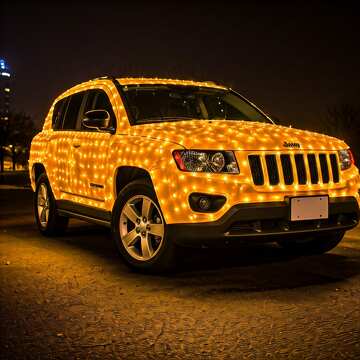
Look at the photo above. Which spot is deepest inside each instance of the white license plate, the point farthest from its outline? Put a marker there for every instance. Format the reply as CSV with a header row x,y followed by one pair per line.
x,y
309,208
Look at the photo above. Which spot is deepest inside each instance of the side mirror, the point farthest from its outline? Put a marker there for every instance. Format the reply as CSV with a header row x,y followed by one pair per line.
x,y
96,119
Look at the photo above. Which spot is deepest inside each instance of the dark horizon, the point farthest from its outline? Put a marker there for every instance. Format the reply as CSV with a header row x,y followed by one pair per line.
x,y
292,61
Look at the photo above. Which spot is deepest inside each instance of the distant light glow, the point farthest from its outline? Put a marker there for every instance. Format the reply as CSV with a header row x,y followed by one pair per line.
x,y
5,74
6,89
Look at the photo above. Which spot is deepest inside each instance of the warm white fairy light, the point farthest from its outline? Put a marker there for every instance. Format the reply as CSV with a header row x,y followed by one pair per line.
x,y
150,147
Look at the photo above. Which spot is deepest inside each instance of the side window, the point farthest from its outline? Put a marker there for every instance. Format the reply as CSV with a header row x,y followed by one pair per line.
x,y
102,102
88,105
58,113
90,101
97,100
72,111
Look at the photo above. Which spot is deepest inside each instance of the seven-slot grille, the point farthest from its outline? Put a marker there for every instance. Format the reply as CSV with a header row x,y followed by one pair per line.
x,y
321,168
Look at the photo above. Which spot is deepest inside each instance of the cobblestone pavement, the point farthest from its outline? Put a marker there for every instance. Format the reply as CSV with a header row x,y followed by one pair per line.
x,y
72,298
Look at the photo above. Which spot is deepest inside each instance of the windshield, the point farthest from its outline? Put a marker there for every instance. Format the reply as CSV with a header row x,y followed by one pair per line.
x,y
158,103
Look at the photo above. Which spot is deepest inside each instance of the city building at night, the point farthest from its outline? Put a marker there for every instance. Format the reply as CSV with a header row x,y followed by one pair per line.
x,y
5,90
5,95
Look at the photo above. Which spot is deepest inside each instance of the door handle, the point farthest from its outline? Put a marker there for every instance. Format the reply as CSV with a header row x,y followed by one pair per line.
x,y
76,145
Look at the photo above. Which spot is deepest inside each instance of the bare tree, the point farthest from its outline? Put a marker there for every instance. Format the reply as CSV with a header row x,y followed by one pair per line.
x,y
20,131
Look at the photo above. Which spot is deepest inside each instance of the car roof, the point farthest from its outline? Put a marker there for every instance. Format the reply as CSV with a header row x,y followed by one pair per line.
x,y
157,81
137,81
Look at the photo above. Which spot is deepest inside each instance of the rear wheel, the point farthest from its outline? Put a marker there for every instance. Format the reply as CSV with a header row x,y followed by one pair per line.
x,y
139,229
48,221
314,244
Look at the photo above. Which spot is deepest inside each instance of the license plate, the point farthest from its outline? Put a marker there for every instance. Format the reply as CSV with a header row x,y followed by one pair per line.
x,y
309,208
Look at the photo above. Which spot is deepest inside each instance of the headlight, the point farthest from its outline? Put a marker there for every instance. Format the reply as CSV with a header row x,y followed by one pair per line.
x,y
346,159
206,161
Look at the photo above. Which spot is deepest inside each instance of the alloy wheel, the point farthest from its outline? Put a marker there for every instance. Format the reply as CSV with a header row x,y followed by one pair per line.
x,y
141,227
43,204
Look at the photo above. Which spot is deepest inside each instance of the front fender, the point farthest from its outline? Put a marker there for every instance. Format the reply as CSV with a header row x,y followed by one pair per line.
x,y
152,155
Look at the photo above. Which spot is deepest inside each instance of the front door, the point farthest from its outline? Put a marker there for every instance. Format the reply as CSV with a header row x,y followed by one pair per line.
x,y
90,153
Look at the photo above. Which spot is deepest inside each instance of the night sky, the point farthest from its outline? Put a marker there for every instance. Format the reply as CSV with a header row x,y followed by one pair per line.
x,y
293,61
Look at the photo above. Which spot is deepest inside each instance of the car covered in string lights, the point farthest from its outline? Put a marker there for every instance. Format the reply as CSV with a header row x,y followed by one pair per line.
x,y
169,163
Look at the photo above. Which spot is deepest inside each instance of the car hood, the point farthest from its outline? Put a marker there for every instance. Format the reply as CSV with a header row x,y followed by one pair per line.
x,y
236,135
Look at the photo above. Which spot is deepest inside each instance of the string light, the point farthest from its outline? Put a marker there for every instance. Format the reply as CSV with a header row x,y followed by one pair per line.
x,y
150,146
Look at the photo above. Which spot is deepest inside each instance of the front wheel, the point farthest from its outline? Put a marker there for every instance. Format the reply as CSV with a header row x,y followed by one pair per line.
x,y
139,229
313,244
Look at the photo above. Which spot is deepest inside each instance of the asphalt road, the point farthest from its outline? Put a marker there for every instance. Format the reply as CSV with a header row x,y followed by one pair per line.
x,y
72,298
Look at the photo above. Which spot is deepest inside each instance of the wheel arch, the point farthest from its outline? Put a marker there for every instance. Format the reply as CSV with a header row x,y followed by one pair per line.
x,y
126,174
36,171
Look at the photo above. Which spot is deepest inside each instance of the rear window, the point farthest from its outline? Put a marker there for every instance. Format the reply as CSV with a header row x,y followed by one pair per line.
x,y
58,113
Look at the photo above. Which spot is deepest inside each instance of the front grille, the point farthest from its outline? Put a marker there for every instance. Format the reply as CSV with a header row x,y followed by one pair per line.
x,y
287,169
300,168
314,175
334,167
296,168
256,169
272,169
324,168
283,226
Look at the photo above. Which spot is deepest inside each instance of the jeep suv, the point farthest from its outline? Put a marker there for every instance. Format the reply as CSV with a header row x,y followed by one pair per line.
x,y
167,163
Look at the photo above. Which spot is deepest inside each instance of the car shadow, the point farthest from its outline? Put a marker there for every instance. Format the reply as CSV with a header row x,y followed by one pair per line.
x,y
203,272
208,272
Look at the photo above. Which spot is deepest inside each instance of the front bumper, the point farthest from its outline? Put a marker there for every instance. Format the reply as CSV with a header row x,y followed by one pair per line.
x,y
264,221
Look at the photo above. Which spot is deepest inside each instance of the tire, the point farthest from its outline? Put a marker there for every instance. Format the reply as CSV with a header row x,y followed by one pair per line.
x,y
47,219
140,235
313,244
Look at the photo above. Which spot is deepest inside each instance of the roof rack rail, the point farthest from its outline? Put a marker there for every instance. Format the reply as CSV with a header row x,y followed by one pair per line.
x,y
110,77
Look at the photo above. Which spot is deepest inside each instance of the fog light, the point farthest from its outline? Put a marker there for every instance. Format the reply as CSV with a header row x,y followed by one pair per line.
x,y
204,203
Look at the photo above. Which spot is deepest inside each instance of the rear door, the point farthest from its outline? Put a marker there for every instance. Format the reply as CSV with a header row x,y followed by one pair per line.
x,y
65,116
58,148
